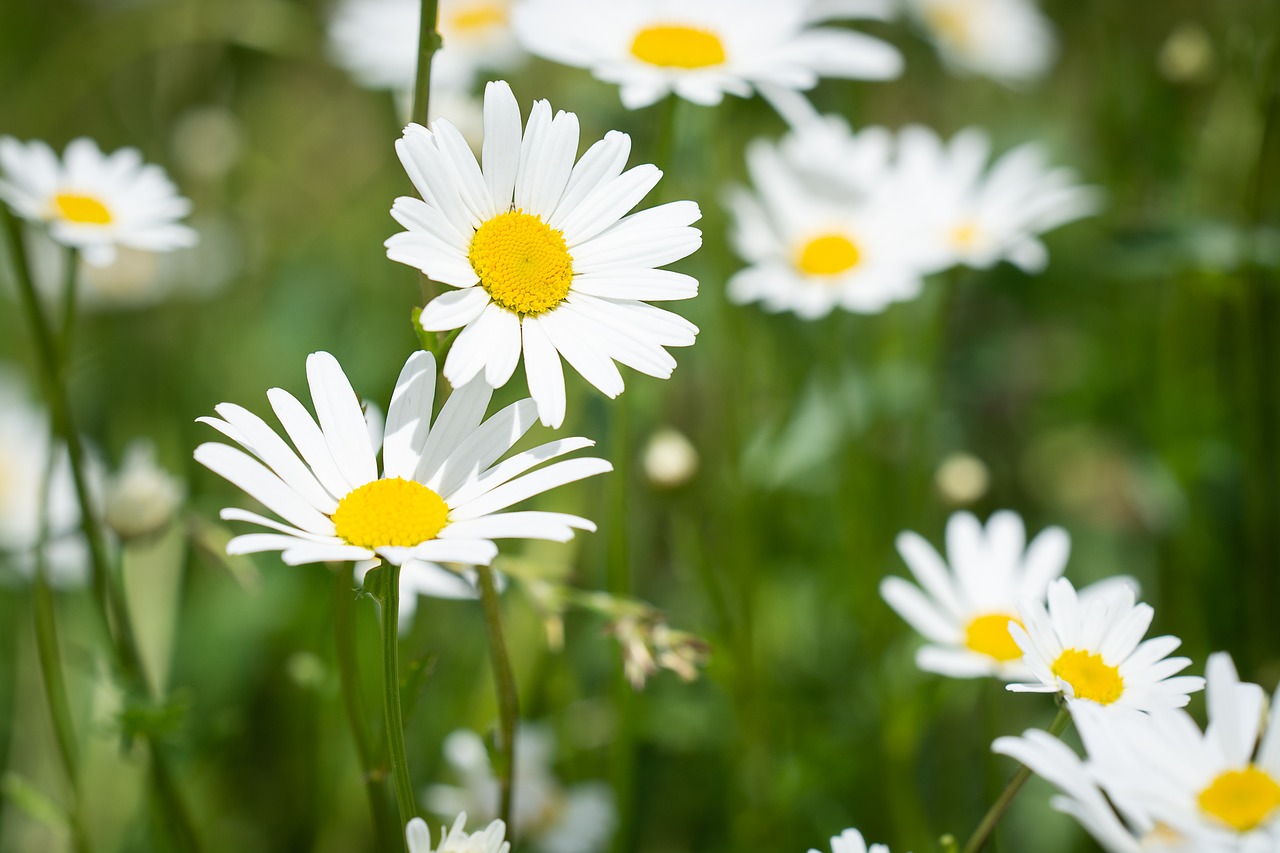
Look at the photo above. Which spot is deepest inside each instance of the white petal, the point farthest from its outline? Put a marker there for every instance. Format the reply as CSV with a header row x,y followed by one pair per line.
x,y
537,482
484,445
236,514
554,526
501,147
543,372
595,367
307,552
458,418
602,162
609,203
341,419
643,285
278,456
516,465
258,482
453,309
309,440
409,416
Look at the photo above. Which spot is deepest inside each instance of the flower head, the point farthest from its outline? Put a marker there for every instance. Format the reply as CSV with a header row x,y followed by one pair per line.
x,y
492,839
442,488
540,254
703,49
851,841
94,201
1007,40
1092,649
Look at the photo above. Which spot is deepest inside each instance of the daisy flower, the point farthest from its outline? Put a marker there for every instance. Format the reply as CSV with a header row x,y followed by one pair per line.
x,y
377,42
1093,649
965,604
540,254
442,488
812,244
703,49
851,841
94,201
491,840
1007,40
1175,788
553,818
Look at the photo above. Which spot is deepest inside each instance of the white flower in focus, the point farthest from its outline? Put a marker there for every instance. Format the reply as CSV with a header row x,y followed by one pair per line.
x,y
1174,788
813,242
1092,649
553,818
1010,41
377,42
442,488
851,841
965,604
540,254
141,497
94,201
704,49
492,839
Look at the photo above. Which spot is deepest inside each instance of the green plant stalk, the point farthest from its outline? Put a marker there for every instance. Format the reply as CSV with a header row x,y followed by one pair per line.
x,y
505,685
618,584
373,776
987,826
429,42
402,781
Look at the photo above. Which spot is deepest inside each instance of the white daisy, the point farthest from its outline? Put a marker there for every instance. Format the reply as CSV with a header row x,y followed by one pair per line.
x,y
541,254
851,841
965,604
1092,649
1174,787
813,242
377,41
552,817
703,49
94,201
1007,40
492,839
442,486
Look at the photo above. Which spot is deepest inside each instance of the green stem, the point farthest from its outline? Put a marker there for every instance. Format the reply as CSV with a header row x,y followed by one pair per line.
x,y
390,600
989,821
505,685
618,584
374,776
70,291
428,43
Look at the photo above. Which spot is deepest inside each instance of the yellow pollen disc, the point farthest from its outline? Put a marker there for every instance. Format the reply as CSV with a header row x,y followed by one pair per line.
x,y
1242,799
523,263
830,254
964,236
677,46
1089,677
390,512
989,635
81,209
479,16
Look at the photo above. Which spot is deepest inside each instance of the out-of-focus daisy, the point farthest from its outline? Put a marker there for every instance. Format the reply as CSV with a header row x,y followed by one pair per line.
x,y
851,841
1174,787
553,818
377,41
141,497
812,246
1092,649
669,458
492,839
703,49
964,605
441,491
94,201
975,216
540,253
1007,40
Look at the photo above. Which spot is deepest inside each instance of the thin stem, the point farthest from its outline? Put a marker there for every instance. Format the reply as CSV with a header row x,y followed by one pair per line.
x,y
618,584
372,774
505,684
70,292
428,43
390,599
989,821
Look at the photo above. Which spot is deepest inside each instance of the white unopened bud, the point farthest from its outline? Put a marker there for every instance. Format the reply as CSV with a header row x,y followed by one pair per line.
x,y
141,498
962,479
669,459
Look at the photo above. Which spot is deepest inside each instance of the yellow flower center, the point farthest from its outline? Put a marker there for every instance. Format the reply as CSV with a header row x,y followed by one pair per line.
x,y
1242,799
523,263
964,235
989,635
82,209
678,46
1088,676
390,512
829,254
479,16
953,22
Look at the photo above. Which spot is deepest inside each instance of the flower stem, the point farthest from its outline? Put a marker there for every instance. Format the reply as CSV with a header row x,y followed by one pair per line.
x,y
390,600
374,777
428,43
505,684
989,821
618,584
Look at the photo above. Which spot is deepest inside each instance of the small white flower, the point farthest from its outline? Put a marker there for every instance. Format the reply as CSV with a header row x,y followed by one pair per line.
x,y
851,841
704,49
94,201
554,818
1007,40
964,605
492,839
1092,649
442,488
141,497
540,254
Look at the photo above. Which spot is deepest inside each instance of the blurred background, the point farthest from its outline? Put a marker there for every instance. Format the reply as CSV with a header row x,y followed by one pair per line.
x,y
1130,393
